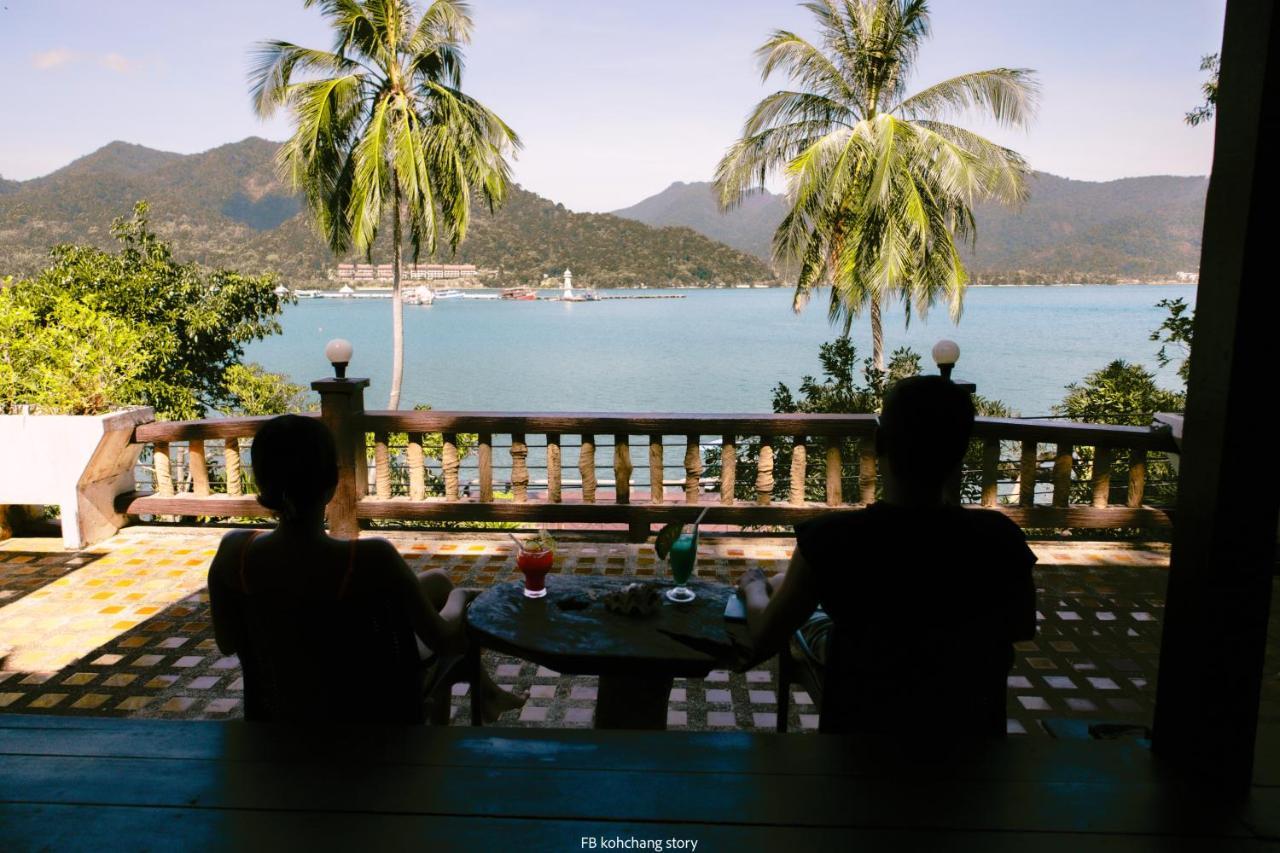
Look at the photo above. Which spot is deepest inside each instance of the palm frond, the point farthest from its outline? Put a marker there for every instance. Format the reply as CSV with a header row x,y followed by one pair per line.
x,y
1008,95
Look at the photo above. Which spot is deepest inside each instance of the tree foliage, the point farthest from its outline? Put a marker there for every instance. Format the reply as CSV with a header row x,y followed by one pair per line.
x,y
1212,63
383,130
253,390
131,327
881,184
1175,331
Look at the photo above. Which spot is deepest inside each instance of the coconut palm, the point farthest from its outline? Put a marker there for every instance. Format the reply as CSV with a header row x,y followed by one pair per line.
x,y
881,185
383,130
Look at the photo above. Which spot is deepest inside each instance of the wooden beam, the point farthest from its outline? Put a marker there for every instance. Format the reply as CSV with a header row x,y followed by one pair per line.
x,y
1224,543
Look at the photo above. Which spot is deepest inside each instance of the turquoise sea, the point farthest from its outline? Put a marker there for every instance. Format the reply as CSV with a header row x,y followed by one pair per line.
x,y
713,351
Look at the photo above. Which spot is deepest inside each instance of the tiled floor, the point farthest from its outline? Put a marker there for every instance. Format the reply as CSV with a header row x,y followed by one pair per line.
x,y
123,629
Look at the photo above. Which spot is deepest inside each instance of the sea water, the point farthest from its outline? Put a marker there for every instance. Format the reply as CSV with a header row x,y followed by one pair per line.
x,y
713,350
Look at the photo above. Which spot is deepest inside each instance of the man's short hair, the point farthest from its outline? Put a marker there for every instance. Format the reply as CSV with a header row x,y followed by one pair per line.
x,y
924,428
295,463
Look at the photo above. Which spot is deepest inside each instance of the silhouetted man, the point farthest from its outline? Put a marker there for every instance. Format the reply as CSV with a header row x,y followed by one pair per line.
x,y
918,602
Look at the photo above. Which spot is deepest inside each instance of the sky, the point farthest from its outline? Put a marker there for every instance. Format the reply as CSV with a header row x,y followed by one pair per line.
x,y
613,99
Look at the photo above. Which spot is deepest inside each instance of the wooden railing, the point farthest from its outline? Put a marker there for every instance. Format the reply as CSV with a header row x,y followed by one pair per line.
x,y
602,468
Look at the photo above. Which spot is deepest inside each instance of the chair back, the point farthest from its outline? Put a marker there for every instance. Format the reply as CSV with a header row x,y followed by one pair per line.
x,y
318,660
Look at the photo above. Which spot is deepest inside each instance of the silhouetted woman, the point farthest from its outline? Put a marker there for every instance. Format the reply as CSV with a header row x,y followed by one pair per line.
x,y
300,607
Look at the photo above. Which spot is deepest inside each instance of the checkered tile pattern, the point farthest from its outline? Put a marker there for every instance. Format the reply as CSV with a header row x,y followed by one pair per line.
x,y
123,630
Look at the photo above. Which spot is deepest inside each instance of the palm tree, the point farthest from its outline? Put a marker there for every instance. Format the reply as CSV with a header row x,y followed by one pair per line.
x,y
383,129
880,184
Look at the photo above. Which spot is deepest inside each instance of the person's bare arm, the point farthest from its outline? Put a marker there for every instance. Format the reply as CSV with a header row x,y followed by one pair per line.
x,y
443,630
771,619
221,597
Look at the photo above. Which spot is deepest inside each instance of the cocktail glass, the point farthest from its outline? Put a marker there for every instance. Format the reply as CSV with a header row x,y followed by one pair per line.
x,y
684,553
534,565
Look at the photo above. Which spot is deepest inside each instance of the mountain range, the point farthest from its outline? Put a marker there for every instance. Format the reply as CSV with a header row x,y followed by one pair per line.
x,y
227,207
1133,228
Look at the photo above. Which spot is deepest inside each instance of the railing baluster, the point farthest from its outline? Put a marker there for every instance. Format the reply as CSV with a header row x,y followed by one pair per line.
x,y
519,468
164,469
798,468
656,471
553,467
587,468
728,468
835,464
381,466
485,465
990,471
1027,474
199,468
692,468
866,471
231,462
1062,475
449,465
622,468
1137,478
764,472
417,476
1101,476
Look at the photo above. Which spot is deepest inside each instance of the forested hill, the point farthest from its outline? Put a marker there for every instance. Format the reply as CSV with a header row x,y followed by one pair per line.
x,y
1144,228
226,207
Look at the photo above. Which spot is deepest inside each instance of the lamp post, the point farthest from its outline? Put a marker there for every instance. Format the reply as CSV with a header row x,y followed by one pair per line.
x,y
338,351
945,354
341,409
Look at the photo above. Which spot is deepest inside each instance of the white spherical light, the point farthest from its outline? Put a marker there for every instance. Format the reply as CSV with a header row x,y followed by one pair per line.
x,y
946,352
339,351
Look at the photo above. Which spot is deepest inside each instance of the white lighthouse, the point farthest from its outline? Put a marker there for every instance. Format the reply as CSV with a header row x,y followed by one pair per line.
x,y
568,286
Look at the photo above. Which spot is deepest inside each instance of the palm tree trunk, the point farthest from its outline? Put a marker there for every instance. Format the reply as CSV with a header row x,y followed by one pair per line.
x,y
877,334
397,306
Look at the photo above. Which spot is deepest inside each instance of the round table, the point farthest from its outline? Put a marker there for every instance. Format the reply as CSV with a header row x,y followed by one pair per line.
x,y
636,657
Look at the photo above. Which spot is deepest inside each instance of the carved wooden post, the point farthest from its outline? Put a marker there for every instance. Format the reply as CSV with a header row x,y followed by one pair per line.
x,y
417,476
1027,475
1062,475
231,462
587,468
164,472
1137,478
519,468
764,472
835,488
692,468
728,468
622,468
485,466
798,467
656,470
553,467
199,468
342,410
449,464
381,467
1101,476
990,472
867,471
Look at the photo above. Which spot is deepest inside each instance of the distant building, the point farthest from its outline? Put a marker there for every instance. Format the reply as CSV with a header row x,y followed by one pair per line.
x,y
427,272
1188,277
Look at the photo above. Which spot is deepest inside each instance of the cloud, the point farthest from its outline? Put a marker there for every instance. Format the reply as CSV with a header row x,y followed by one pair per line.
x,y
118,63
52,58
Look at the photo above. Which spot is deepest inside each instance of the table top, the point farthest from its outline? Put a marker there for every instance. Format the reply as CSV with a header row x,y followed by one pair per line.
x,y
679,640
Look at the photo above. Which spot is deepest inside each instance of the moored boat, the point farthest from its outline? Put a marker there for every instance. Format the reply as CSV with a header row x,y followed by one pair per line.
x,y
522,294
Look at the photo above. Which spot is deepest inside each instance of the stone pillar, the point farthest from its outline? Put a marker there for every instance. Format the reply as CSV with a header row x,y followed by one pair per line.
x,y
342,410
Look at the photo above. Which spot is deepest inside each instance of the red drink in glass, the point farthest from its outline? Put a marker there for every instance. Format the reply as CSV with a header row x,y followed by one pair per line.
x,y
535,565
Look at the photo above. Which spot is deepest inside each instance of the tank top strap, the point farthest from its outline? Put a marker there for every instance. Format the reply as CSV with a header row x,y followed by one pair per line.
x,y
244,550
351,565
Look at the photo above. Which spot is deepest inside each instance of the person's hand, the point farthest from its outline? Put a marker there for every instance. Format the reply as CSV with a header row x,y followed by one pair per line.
x,y
749,579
